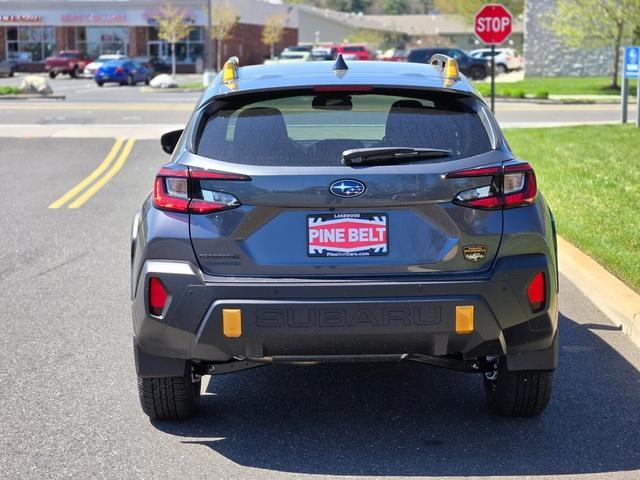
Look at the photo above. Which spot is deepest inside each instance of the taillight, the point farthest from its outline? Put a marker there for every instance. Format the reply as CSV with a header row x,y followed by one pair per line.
x,y
171,189
179,188
518,185
157,296
536,292
119,70
511,185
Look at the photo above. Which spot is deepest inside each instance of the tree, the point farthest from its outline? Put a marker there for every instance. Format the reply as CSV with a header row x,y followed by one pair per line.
x,y
396,7
597,23
350,5
224,18
173,27
401,7
469,8
273,31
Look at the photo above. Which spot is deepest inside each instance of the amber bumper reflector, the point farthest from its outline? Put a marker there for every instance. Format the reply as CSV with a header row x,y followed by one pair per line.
x,y
231,322
464,318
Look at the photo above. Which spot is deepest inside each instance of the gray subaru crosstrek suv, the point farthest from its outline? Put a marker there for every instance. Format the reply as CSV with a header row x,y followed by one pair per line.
x,y
322,212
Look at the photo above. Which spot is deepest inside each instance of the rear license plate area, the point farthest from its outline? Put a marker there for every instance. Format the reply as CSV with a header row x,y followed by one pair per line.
x,y
347,235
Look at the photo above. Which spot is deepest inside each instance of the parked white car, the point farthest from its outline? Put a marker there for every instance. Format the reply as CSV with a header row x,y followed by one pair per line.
x,y
507,59
290,56
91,69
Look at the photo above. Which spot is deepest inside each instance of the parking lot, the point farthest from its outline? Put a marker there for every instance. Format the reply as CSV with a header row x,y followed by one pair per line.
x,y
70,406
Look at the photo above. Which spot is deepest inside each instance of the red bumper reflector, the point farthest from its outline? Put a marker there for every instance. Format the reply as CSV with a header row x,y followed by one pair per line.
x,y
536,292
157,296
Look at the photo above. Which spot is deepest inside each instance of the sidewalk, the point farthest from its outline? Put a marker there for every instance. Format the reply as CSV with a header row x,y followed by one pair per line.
x,y
616,300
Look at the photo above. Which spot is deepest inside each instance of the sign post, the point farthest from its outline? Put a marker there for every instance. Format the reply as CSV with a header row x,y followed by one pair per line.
x,y
493,24
631,69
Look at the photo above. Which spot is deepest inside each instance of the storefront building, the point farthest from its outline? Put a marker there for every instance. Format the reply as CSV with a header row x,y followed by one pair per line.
x,y
30,30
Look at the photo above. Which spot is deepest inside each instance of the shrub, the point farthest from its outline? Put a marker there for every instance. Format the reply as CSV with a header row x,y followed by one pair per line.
x,y
542,94
518,94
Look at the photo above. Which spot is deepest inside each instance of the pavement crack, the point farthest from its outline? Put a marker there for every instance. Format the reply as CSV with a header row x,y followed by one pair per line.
x,y
66,262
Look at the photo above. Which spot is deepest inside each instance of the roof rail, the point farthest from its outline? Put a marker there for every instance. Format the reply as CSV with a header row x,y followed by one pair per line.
x,y
230,70
448,66
439,60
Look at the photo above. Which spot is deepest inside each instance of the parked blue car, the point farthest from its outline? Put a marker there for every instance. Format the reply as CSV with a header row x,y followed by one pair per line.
x,y
124,72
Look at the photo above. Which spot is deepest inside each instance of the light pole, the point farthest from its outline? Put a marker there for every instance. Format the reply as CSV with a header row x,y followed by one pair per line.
x,y
207,42
208,73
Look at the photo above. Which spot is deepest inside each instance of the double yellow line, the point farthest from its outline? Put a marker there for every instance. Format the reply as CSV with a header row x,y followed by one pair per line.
x,y
88,187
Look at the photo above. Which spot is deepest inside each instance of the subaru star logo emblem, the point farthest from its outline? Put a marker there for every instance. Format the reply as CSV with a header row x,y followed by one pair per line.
x,y
347,188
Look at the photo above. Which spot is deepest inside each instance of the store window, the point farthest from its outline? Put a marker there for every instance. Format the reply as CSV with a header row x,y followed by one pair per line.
x,y
30,44
96,41
188,51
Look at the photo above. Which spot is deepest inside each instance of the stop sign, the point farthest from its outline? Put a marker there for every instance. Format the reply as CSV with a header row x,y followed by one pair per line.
x,y
493,24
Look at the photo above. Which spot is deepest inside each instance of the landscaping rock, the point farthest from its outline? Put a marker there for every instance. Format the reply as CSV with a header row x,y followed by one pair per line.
x,y
35,84
163,81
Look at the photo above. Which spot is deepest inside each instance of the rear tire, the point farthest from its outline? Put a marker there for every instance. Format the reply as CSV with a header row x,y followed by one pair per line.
x,y
477,73
169,398
74,72
99,83
52,75
500,69
518,394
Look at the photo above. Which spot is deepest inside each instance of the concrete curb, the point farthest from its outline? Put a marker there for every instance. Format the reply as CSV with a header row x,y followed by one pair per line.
x,y
561,101
171,90
617,301
30,96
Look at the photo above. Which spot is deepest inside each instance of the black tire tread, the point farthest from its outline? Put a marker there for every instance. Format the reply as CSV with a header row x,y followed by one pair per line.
x,y
169,398
520,394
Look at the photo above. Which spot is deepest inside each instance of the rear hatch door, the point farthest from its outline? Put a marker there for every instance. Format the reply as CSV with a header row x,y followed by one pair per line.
x,y
303,213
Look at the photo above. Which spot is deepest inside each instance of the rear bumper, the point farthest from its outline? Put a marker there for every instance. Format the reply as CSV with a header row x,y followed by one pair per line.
x,y
312,318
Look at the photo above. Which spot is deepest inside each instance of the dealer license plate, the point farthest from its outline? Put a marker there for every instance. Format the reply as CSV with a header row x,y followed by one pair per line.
x,y
347,235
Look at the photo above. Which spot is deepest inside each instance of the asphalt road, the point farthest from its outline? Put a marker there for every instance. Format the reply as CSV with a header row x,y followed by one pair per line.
x,y
68,401
88,104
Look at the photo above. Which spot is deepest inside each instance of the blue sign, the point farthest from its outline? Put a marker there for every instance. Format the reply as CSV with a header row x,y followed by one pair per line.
x,y
631,62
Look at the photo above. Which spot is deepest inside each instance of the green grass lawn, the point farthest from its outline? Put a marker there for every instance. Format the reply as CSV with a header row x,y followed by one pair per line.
x,y
590,176
556,86
191,85
8,90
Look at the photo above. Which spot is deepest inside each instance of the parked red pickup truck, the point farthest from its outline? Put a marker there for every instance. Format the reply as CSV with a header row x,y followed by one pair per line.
x,y
71,62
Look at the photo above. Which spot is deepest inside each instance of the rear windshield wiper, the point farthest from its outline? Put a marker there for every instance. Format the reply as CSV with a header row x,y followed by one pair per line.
x,y
368,156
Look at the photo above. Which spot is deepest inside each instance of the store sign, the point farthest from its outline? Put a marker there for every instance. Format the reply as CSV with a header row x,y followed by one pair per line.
x,y
13,19
94,19
85,16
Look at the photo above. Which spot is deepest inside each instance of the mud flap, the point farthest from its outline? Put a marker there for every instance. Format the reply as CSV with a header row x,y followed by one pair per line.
x,y
546,359
154,366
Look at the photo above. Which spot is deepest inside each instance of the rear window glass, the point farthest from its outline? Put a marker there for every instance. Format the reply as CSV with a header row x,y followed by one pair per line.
x,y
314,129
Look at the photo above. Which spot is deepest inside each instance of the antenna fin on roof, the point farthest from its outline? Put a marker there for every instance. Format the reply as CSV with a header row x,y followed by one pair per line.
x,y
340,64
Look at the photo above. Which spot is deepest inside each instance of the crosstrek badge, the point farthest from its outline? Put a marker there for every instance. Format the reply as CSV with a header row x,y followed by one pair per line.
x,y
347,235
